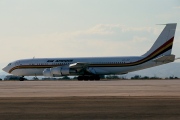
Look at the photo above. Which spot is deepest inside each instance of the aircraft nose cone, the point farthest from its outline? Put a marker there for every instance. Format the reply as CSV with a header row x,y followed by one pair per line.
x,y
5,69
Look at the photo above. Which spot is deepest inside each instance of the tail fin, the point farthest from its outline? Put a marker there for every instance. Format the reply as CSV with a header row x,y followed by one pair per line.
x,y
163,44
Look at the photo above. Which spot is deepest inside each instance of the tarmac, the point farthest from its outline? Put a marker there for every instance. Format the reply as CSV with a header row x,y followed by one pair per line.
x,y
87,100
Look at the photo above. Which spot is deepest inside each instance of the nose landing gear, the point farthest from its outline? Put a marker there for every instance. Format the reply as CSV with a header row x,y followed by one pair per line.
x,y
22,78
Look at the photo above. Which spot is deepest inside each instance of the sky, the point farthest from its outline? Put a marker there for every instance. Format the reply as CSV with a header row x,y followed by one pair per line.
x,y
83,28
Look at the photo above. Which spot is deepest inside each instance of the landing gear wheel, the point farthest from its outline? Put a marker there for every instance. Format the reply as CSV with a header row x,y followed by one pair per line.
x,y
86,78
80,78
97,78
91,78
21,79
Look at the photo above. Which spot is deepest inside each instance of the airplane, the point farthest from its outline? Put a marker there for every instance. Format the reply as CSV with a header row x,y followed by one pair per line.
x,y
90,68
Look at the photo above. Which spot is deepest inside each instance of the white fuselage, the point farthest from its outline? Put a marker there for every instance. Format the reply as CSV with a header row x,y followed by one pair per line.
x,y
101,65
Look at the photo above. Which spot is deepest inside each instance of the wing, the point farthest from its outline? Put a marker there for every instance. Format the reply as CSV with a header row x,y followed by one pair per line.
x,y
84,68
78,65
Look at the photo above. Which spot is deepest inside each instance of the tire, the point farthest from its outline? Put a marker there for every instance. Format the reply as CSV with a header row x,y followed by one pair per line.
x,y
21,79
80,78
86,78
91,78
97,78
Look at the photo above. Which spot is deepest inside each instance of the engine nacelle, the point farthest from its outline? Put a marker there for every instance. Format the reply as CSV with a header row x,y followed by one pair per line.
x,y
59,71
64,70
47,72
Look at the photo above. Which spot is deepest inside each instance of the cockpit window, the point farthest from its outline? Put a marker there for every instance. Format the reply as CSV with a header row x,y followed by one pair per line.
x,y
9,64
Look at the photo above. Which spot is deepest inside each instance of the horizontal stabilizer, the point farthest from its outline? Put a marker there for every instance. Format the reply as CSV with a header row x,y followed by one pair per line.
x,y
165,58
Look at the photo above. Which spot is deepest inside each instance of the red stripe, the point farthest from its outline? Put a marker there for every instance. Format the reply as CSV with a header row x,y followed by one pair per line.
x,y
169,41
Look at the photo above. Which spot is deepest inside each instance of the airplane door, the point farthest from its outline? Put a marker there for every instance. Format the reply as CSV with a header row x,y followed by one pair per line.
x,y
17,63
32,62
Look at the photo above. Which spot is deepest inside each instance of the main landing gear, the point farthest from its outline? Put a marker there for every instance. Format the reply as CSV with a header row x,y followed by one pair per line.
x,y
86,78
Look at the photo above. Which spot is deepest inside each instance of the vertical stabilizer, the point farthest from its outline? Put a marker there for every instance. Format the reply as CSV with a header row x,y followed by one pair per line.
x,y
163,44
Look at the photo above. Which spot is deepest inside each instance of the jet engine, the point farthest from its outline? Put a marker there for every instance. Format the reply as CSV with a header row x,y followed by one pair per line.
x,y
58,71
47,72
64,70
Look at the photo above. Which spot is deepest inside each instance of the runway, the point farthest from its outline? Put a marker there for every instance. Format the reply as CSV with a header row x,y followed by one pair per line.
x,y
124,99
90,88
